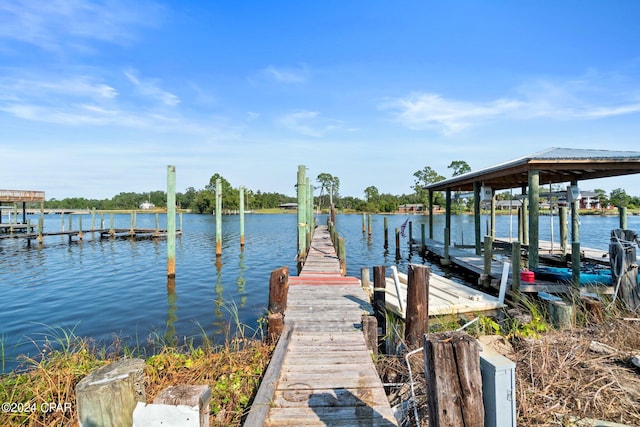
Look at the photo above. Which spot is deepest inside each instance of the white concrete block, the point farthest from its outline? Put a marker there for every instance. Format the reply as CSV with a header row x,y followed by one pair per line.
x,y
161,415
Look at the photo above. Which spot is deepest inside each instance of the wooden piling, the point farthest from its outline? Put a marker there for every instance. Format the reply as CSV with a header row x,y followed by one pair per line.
x,y
386,232
622,213
454,382
365,278
108,396
515,266
369,228
564,234
370,331
157,223
476,215
364,225
488,254
342,255
534,212
171,221
575,241
410,233
302,204
241,217
423,246
417,316
278,291
379,299
309,211
397,243
446,260
218,217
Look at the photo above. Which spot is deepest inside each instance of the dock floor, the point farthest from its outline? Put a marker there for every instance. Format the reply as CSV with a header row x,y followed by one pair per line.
x,y
468,260
327,376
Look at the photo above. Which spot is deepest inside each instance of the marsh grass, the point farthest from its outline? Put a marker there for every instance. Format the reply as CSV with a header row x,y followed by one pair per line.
x,y
232,370
558,376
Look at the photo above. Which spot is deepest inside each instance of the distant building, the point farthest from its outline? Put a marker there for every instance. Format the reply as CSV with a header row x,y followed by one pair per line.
x,y
411,208
508,204
288,206
147,205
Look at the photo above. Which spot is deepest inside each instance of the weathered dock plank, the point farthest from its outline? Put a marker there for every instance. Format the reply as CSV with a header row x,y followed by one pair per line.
x,y
327,376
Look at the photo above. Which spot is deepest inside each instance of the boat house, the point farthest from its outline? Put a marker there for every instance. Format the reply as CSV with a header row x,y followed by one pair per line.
x,y
529,173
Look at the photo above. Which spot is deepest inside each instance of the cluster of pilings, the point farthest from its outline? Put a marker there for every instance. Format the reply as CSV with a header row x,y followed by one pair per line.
x,y
306,223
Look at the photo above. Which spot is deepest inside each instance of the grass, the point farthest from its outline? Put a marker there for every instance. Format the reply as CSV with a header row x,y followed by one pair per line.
x,y
558,376
232,371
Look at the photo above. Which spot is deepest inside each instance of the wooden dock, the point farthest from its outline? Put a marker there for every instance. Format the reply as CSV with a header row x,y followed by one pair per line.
x,y
107,233
469,261
322,373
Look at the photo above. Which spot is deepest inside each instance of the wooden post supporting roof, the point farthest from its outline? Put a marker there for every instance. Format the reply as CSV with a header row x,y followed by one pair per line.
x,y
534,211
553,165
476,215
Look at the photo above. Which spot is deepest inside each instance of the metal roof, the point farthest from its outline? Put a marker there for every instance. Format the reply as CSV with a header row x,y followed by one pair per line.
x,y
555,165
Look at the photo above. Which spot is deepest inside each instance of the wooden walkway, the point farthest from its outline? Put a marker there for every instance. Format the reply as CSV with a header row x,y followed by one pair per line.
x,y
326,375
21,232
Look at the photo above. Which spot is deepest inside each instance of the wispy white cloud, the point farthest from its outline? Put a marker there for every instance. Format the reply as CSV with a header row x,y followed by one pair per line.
x,y
432,111
85,101
151,88
68,24
282,75
579,99
308,123
16,87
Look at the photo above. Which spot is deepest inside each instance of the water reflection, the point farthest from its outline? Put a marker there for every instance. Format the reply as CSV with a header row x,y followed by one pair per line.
x,y
241,282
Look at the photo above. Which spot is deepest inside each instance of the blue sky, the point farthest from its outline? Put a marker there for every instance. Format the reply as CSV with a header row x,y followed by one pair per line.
x,y
99,97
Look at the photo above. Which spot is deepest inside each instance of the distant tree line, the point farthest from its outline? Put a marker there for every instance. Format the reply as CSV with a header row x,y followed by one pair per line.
x,y
203,200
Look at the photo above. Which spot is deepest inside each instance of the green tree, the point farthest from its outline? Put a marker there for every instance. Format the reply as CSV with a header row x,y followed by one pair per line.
x,y
601,195
329,183
371,193
619,198
459,167
230,195
185,199
203,202
425,177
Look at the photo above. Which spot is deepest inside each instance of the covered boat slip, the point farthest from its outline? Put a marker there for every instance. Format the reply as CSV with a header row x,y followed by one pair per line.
x,y
10,199
529,173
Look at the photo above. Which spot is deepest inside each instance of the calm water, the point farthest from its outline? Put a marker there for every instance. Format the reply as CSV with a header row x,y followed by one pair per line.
x,y
118,288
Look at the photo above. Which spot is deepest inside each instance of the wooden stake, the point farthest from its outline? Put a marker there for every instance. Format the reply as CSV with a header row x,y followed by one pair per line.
x,y
417,316
379,300
218,217
171,221
386,232
454,382
278,289
241,218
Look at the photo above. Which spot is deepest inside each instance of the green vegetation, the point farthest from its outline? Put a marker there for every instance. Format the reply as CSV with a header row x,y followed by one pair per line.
x,y
558,374
203,200
232,371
